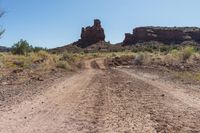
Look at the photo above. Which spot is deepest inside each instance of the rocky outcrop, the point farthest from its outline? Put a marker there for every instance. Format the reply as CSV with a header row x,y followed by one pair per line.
x,y
166,35
91,35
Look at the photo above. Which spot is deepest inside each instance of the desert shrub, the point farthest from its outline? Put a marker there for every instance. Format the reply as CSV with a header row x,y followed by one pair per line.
x,y
22,48
95,55
148,49
198,76
43,54
139,59
66,56
1,60
164,49
63,65
43,60
187,52
37,49
113,55
1,63
19,63
184,75
174,53
134,50
82,53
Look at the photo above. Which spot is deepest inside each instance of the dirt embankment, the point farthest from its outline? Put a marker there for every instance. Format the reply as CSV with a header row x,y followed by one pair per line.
x,y
98,99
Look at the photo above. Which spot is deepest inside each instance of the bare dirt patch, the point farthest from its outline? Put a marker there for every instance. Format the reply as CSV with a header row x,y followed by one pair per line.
x,y
15,91
98,99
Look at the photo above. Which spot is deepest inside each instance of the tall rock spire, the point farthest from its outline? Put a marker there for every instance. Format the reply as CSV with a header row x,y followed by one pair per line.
x,y
91,35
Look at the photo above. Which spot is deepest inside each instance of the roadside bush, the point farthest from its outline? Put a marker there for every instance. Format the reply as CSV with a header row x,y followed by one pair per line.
x,y
134,50
174,53
19,63
82,53
113,55
187,52
1,60
63,65
1,63
95,55
164,48
43,54
22,48
67,57
148,49
139,59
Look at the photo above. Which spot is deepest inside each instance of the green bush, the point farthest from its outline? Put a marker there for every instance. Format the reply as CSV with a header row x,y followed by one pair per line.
x,y
187,52
22,48
174,52
37,49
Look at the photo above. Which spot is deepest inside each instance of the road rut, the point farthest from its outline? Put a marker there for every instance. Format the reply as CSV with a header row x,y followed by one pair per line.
x,y
105,100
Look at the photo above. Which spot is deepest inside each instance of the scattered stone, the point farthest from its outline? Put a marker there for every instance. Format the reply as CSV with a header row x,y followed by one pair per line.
x,y
182,67
4,83
40,79
17,70
37,78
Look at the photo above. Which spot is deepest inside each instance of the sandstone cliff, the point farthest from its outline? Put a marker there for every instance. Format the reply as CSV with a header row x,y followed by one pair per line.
x,y
166,35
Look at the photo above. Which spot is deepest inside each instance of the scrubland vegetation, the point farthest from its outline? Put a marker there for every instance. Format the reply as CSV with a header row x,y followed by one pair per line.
x,y
183,60
41,60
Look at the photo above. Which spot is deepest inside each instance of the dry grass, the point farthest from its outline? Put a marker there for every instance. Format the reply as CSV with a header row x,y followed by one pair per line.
x,y
41,61
83,56
185,55
64,65
187,76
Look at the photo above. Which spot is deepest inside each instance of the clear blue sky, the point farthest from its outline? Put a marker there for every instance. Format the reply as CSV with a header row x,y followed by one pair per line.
x,y
52,23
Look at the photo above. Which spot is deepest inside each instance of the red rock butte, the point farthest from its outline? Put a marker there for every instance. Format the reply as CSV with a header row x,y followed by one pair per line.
x,y
91,35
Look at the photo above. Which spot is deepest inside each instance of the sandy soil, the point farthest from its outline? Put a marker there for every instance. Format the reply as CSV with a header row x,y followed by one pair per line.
x,y
107,100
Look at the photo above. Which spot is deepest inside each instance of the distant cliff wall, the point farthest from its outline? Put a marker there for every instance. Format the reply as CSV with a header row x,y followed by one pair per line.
x,y
165,35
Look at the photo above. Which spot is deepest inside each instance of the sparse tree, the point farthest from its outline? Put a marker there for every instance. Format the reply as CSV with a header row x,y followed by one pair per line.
x,y
22,48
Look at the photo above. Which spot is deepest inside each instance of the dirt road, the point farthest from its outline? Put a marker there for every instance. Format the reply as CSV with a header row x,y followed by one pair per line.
x,y
116,100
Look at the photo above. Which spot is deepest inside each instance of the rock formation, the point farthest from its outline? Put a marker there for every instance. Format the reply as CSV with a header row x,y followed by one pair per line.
x,y
166,35
91,35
